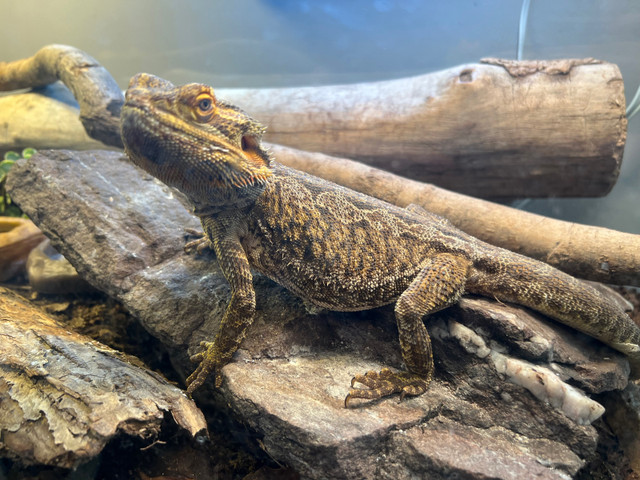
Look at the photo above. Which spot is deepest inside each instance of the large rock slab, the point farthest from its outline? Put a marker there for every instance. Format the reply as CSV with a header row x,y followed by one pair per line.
x,y
508,394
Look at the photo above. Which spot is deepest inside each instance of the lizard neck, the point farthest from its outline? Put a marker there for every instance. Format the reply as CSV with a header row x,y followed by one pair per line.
x,y
227,200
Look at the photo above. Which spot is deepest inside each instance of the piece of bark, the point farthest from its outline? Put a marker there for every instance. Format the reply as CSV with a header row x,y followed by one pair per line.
x,y
495,129
92,85
584,251
123,230
623,417
64,396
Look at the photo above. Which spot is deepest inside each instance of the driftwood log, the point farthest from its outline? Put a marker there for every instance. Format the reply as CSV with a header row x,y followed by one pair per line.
x,y
94,88
64,396
44,118
494,129
589,252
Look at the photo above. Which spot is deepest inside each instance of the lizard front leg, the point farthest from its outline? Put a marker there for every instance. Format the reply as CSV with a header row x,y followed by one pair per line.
x,y
240,311
439,284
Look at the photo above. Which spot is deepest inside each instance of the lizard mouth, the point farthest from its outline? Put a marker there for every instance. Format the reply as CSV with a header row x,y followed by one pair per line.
x,y
141,124
250,146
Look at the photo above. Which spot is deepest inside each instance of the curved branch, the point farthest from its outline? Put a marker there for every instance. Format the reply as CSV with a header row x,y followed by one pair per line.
x,y
94,88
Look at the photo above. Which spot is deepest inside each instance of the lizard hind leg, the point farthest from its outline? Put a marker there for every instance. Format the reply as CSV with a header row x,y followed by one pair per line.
x,y
439,284
199,244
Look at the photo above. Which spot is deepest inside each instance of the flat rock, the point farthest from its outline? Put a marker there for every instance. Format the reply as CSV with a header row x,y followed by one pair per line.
x,y
508,396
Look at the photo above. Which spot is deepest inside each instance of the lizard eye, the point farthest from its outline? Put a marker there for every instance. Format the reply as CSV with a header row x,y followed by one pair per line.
x,y
204,107
205,104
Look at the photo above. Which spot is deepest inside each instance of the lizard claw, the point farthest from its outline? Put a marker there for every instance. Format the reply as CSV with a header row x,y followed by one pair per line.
x,y
200,244
199,357
385,383
194,232
208,363
195,380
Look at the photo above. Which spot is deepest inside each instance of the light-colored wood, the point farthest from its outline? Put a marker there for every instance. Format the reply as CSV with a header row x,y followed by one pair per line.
x,y
494,129
18,236
46,119
93,87
588,252
483,123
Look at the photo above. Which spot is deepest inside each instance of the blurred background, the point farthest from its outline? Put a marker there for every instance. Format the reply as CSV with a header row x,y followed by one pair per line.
x,y
272,43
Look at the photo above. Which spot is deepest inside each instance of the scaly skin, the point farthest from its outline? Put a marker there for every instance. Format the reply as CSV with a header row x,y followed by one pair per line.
x,y
332,246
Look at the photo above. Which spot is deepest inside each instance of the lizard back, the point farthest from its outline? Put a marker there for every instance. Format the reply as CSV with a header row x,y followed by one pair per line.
x,y
338,248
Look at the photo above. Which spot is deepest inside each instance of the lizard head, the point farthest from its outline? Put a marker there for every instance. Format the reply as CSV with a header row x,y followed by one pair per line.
x,y
190,140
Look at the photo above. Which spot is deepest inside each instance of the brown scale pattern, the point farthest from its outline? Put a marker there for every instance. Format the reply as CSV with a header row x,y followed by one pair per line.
x,y
359,253
332,246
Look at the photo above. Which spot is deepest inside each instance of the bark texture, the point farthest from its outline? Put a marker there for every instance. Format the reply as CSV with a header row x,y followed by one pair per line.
x,y
500,405
64,396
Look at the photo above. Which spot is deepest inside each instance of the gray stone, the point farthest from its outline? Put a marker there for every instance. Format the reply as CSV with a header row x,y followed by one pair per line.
x,y
123,231
50,272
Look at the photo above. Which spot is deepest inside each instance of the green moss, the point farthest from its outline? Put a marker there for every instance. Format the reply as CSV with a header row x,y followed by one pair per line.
x,y
7,208
28,152
11,155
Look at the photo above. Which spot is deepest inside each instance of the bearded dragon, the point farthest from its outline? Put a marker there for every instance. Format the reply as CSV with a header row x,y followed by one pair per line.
x,y
333,247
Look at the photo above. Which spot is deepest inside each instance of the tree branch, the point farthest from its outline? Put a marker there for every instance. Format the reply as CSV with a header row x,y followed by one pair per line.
x,y
92,85
416,120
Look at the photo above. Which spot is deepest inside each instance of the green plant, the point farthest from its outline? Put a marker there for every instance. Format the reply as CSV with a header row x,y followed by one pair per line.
x,y
7,208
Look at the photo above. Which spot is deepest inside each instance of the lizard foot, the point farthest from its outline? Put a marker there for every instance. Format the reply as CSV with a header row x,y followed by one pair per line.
x,y
199,245
208,362
385,383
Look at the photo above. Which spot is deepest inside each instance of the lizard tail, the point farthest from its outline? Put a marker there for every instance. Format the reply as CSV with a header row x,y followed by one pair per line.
x,y
519,279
